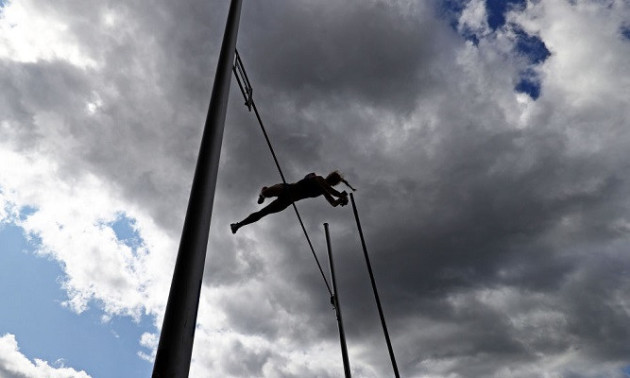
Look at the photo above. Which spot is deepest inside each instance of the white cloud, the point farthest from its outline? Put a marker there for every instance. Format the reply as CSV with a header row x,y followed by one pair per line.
x,y
474,18
149,341
71,223
585,81
13,364
589,58
28,34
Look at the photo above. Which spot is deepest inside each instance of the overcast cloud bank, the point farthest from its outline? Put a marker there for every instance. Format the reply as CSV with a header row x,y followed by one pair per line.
x,y
497,220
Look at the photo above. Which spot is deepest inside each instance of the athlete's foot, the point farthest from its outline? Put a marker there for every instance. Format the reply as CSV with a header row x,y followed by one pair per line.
x,y
234,227
261,198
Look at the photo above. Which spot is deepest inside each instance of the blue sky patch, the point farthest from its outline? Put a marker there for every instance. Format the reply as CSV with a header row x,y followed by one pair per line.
x,y
535,51
470,35
530,46
31,296
497,9
625,31
452,10
26,211
529,86
529,83
126,232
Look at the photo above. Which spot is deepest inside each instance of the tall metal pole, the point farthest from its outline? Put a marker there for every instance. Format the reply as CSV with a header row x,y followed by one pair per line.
x,y
178,329
335,302
376,297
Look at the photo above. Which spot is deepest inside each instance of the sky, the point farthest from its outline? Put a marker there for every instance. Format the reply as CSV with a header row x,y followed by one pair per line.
x,y
488,141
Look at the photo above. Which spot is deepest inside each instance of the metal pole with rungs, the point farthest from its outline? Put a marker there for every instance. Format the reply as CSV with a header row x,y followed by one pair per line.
x,y
376,297
335,302
180,318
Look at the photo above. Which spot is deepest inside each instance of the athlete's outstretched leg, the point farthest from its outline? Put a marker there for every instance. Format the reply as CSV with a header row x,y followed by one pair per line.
x,y
276,206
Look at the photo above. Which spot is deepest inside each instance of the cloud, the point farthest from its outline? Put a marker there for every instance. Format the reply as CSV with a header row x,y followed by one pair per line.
x,y
496,222
30,36
13,364
480,189
71,226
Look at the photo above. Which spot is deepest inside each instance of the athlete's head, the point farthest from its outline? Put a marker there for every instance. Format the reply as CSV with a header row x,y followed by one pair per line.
x,y
335,177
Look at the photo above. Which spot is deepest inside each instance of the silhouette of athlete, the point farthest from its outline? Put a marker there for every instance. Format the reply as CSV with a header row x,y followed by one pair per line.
x,y
309,187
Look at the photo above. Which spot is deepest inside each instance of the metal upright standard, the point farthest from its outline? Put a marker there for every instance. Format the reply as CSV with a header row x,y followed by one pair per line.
x,y
178,329
335,302
376,297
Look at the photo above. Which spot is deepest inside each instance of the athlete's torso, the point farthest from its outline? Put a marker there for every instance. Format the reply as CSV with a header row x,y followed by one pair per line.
x,y
307,187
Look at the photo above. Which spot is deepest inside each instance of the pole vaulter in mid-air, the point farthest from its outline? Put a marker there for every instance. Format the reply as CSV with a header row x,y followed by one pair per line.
x,y
310,186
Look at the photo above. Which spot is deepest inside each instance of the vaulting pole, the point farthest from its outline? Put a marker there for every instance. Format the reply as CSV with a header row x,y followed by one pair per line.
x,y
178,329
376,297
335,302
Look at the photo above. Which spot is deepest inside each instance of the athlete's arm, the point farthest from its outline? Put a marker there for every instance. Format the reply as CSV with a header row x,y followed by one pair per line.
x,y
326,187
331,200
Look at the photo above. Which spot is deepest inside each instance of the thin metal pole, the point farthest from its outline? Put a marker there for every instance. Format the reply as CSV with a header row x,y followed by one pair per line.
x,y
178,329
335,302
275,158
376,297
245,86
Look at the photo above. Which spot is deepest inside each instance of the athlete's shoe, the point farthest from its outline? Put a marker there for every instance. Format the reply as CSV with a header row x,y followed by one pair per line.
x,y
261,198
234,227
343,201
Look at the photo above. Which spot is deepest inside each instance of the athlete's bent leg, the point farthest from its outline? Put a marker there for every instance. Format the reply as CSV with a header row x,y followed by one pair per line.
x,y
271,191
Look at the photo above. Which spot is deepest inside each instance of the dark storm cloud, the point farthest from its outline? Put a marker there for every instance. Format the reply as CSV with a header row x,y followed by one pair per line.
x,y
244,363
493,207
361,65
45,87
490,218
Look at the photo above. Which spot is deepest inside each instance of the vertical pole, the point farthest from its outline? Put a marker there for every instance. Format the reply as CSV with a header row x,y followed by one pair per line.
x,y
335,302
178,329
378,301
